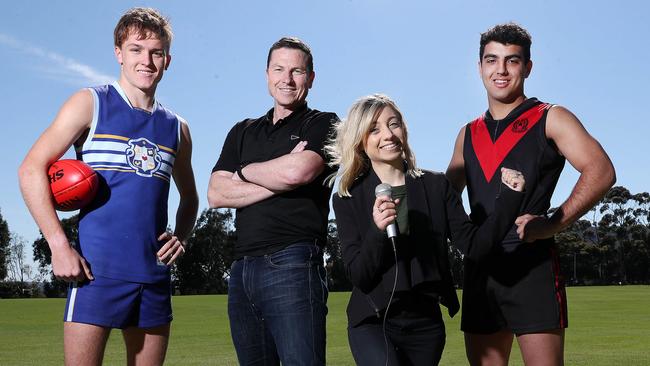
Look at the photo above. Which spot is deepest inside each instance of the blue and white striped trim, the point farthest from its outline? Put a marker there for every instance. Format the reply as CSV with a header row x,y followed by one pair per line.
x,y
73,298
107,152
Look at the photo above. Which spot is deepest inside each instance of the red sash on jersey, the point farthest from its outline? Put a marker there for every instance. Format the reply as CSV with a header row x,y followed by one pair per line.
x,y
490,155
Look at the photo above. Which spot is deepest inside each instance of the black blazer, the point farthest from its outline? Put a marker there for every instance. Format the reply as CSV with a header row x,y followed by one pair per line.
x,y
435,214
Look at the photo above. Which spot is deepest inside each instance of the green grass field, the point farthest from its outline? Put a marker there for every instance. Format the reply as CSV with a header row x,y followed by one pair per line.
x,y
607,326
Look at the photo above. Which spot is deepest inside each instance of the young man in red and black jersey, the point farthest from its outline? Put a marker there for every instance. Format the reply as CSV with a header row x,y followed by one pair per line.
x,y
517,290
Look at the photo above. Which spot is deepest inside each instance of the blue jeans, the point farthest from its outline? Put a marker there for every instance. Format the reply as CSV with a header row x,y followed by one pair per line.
x,y
277,307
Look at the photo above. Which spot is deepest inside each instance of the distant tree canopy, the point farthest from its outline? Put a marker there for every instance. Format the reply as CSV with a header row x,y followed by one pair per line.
x,y
611,244
337,279
5,239
19,271
205,266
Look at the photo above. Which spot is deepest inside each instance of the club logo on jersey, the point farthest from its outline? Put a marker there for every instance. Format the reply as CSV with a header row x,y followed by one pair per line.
x,y
520,125
143,156
490,154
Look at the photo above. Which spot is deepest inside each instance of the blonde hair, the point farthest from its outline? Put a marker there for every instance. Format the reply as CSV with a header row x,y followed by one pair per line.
x,y
346,148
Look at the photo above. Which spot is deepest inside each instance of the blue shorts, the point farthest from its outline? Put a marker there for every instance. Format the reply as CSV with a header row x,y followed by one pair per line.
x,y
114,303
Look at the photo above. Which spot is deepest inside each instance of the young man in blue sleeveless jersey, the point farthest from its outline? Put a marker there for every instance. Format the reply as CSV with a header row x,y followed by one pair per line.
x,y
518,291
272,169
119,272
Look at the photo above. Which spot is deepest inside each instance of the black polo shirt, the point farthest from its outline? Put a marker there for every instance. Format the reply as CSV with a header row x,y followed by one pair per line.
x,y
290,217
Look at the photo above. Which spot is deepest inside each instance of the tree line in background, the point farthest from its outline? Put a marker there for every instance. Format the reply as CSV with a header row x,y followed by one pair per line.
x,y
609,245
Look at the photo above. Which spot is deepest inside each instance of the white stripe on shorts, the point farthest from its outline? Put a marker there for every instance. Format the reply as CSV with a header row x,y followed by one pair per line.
x,y
73,296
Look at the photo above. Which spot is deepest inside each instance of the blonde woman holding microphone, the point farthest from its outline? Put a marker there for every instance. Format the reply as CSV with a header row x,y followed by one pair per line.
x,y
393,221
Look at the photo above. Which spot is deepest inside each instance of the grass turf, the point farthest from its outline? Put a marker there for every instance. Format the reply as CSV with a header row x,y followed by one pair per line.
x,y
607,326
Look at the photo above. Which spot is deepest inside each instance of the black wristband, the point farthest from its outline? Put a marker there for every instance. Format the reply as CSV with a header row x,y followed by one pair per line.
x,y
241,175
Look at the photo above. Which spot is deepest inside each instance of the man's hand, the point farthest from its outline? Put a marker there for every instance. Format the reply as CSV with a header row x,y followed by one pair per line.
x,y
300,146
513,179
69,266
172,248
533,227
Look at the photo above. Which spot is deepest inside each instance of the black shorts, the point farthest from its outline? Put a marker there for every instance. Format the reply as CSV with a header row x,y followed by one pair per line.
x,y
521,291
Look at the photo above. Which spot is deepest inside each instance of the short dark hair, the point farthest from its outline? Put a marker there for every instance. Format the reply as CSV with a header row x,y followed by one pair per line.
x,y
293,43
143,21
507,33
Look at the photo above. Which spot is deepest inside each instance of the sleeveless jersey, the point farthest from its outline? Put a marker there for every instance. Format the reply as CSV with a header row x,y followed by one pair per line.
x,y
133,153
517,142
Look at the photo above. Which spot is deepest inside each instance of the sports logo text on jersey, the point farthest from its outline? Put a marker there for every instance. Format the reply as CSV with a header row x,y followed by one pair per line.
x,y
520,125
143,156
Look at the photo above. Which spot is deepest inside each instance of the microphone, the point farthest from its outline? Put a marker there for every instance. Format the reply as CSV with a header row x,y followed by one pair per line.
x,y
386,190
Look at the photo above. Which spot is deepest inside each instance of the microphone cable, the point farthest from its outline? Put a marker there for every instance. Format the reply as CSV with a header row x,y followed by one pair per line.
x,y
390,299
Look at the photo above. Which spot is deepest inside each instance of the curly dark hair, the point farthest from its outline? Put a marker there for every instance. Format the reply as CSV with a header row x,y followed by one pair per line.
x,y
508,33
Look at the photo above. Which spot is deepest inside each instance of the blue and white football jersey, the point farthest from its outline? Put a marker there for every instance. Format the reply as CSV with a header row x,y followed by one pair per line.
x,y
133,153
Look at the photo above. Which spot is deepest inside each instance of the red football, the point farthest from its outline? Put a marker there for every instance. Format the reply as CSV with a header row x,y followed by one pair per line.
x,y
73,184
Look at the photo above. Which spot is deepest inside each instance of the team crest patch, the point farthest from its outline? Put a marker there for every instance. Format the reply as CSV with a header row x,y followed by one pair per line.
x,y
143,156
520,125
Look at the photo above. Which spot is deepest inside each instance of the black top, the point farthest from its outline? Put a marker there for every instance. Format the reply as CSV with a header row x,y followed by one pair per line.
x,y
435,213
290,217
518,142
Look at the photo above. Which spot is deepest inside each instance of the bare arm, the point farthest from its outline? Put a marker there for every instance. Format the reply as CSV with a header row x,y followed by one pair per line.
x,y
587,156
224,191
456,169
69,125
227,190
188,205
286,172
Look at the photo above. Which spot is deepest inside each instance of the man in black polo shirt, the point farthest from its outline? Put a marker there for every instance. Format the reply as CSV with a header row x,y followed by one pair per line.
x,y
272,169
